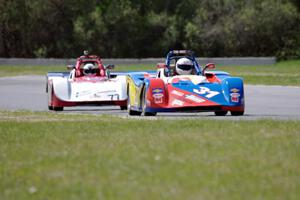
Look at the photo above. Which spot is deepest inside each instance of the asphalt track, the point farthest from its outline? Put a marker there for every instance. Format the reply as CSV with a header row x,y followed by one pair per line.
x,y
275,102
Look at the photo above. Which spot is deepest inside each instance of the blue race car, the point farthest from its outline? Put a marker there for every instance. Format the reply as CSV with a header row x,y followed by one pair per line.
x,y
180,84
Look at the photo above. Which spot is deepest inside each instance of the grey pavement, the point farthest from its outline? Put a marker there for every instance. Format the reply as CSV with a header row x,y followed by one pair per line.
x,y
270,102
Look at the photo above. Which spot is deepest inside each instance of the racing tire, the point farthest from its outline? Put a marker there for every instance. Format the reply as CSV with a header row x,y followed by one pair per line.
x,y
131,112
50,96
58,108
237,113
123,107
149,113
134,113
221,113
144,105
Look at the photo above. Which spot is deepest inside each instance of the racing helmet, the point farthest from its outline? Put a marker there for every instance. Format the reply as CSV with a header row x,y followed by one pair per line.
x,y
184,66
89,69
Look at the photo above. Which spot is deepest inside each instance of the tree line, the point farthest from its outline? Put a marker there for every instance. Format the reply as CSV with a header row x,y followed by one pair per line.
x,y
139,28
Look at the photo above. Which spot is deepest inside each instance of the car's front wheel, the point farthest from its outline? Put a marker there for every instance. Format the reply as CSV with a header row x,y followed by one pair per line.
x,y
131,112
237,113
221,113
144,105
50,103
123,107
58,108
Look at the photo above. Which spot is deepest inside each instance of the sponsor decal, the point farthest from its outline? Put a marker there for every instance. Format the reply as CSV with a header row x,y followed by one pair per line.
x,y
158,98
194,98
83,93
206,91
177,93
105,93
157,91
97,95
234,90
235,97
92,94
157,94
177,102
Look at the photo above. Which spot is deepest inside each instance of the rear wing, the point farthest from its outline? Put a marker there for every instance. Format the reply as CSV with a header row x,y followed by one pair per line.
x,y
181,53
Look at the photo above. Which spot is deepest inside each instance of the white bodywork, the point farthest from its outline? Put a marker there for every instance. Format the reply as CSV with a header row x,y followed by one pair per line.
x,y
92,89
196,79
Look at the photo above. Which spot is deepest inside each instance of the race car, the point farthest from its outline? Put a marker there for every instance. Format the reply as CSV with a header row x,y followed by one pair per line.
x,y
88,83
181,84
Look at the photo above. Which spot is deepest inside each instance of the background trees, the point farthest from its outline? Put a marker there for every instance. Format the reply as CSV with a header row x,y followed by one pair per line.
x,y
138,28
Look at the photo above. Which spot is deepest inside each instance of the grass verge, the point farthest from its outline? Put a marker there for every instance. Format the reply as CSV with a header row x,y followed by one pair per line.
x,y
57,156
281,73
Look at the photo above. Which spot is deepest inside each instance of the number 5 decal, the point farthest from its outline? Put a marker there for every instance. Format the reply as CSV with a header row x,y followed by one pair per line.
x,y
207,91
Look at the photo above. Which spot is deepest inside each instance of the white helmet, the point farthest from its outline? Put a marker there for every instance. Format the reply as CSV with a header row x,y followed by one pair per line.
x,y
184,66
89,69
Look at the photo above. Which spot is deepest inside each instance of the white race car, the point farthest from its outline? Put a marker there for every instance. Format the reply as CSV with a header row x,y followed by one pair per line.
x,y
88,83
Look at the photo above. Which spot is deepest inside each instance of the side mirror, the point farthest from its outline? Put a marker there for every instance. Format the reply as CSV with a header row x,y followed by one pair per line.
x,y
161,65
109,66
208,66
70,67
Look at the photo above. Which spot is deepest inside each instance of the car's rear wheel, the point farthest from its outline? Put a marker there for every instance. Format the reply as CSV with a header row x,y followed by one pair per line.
x,y
131,112
221,113
134,113
123,107
144,105
55,108
237,113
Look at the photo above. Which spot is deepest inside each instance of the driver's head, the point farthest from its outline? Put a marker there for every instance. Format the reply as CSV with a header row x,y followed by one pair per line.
x,y
184,66
89,69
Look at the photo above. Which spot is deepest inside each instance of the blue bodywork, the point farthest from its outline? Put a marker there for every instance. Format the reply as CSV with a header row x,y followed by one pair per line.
x,y
226,94
222,99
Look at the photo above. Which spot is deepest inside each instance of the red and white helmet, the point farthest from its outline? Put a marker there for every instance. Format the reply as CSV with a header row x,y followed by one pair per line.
x,y
184,66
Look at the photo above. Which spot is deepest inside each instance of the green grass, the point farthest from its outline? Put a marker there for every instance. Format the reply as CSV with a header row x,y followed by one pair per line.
x,y
8,70
57,156
281,73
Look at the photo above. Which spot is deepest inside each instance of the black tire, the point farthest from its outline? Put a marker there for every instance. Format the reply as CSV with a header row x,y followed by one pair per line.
x,y
49,97
131,112
123,107
143,101
149,113
134,113
58,108
221,113
237,113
